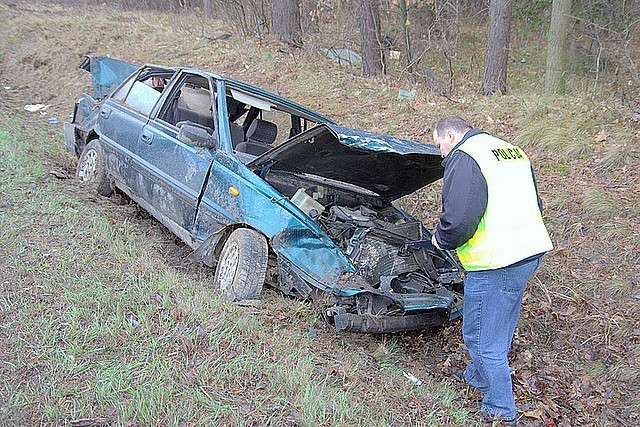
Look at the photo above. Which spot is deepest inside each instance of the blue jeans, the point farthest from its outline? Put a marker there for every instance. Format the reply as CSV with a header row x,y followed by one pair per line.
x,y
492,302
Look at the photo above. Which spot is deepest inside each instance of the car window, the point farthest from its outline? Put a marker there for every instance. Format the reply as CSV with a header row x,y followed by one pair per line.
x,y
259,123
121,93
142,97
142,92
190,102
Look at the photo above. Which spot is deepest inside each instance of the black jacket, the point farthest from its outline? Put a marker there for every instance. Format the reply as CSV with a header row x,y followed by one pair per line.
x,y
464,197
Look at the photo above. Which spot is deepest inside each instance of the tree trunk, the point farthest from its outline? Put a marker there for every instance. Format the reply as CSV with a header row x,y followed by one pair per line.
x,y
405,33
310,16
286,22
554,82
207,9
369,24
494,78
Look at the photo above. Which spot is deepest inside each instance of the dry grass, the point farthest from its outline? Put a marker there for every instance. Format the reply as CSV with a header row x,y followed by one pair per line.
x,y
557,127
618,150
600,204
559,202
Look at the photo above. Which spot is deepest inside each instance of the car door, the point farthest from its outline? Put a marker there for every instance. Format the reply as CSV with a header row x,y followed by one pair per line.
x,y
121,120
175,171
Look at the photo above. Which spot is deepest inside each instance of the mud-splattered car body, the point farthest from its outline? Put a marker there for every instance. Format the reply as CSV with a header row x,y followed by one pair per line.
x,y
200,152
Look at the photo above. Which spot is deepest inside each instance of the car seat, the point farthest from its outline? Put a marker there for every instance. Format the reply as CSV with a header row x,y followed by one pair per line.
x,y
262,132
260,135
237,135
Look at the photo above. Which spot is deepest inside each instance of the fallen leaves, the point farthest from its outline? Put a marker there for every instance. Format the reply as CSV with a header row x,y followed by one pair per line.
x,y
535,413
602,136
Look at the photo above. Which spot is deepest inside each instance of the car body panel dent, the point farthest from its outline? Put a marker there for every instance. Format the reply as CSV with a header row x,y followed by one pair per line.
x,y
386,166
84,107
323,262
293,235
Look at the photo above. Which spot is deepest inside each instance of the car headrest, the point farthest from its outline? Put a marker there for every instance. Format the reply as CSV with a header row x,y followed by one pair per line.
x,y
262,132
237,134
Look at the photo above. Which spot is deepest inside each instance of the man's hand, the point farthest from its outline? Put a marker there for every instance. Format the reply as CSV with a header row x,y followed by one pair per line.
x,y
434,242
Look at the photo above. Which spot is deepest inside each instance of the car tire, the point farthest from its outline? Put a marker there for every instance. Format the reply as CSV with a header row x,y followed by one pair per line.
x,y
242,266
91,171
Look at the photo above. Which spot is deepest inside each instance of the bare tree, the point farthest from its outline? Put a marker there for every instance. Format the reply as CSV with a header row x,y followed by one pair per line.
x,y
554,82
369,23
206,6
285,21
310,16
494,78
404,15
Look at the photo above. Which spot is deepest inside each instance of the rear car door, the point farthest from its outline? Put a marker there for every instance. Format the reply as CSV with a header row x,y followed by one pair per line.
x,y
121,120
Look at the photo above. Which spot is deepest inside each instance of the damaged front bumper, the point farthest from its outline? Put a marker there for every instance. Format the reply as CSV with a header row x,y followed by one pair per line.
x,y
412,311
372,324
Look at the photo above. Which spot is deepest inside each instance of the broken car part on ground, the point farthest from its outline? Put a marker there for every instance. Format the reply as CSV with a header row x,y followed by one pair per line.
x,y
246,177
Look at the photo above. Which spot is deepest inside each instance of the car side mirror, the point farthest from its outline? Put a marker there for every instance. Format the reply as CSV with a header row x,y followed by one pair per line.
x,y
197,136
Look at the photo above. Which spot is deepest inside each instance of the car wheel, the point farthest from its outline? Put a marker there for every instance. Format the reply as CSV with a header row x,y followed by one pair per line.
x,y
242,266
90,169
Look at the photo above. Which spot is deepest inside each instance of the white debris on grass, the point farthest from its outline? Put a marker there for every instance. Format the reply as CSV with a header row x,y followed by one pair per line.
x,y
342,56
32,108
409,95
411,378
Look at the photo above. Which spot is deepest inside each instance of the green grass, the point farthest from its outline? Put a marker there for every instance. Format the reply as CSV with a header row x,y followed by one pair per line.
x,y
96,325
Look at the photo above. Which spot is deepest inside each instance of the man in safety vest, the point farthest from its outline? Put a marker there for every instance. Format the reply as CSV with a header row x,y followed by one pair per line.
x,y
491,215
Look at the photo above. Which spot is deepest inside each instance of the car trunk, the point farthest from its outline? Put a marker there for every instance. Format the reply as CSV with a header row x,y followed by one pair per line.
x,y
106,73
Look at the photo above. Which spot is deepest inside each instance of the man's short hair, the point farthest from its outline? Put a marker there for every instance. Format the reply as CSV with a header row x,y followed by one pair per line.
x,y
452,123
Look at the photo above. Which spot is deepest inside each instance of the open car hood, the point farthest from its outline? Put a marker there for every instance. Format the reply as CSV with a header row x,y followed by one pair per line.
x,y
390,167
106,73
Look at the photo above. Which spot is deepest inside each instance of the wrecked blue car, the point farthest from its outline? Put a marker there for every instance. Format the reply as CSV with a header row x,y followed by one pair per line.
x,y
254,182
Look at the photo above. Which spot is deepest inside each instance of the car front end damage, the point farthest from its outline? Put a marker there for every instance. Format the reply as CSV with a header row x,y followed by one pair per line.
x,y
393,279
389,283
396,286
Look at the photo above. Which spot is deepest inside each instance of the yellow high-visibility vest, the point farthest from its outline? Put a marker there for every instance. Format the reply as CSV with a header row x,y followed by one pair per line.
x,y
511,228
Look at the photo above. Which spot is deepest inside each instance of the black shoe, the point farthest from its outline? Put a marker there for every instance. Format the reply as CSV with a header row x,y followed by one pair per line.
x,y
496,420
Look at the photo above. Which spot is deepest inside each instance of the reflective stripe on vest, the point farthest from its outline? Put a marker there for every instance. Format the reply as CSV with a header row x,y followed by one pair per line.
x,y
511,228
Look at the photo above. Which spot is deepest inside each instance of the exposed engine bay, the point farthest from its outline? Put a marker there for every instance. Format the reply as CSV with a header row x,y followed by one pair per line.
x,y
375,243
389,271
393,279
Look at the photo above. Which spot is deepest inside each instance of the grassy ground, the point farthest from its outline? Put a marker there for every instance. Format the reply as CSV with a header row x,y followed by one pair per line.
x,y
97,325
103,318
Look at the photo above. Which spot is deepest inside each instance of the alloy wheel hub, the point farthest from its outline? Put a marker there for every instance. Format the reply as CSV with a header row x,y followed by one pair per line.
x,y
88,168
